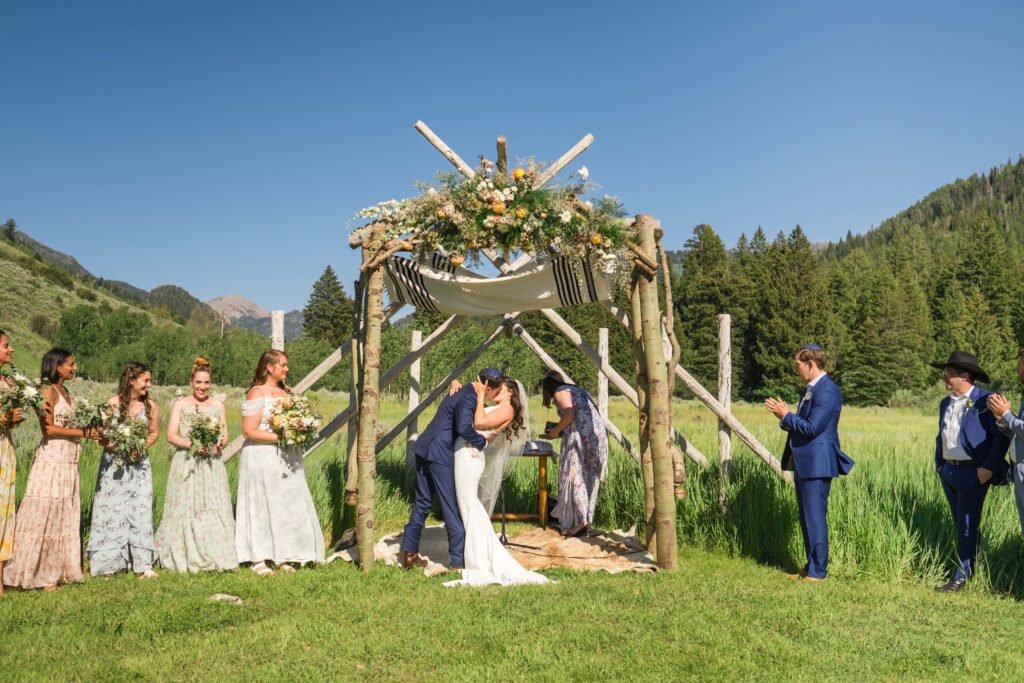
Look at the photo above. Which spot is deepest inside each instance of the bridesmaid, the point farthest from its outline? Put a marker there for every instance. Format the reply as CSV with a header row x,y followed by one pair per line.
x,y
121,537
197,532
8,460
276,519
48,545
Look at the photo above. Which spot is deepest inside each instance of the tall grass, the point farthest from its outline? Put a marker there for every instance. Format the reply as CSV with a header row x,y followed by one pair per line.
x,y
888,519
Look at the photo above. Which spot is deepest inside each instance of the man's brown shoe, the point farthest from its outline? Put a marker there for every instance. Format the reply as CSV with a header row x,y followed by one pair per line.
x,y
413,559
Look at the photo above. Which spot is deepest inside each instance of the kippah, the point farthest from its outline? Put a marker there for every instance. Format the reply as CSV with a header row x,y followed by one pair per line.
x,y
811,347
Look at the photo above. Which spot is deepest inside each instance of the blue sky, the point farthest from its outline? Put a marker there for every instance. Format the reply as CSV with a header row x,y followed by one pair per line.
x,y
224,146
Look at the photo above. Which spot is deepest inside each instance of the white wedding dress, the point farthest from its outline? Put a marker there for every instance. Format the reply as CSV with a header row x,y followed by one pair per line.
x,y
487,560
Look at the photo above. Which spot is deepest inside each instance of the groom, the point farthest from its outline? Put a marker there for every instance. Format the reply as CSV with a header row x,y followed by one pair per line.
x,y
435,468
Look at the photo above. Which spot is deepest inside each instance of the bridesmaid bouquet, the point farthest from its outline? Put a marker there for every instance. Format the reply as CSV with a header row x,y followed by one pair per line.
x,y
89,414
204,432
20,391
295,421
127,437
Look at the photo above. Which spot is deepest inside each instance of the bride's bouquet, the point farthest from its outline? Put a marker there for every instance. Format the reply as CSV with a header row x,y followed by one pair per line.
x,y
88,414
295,421
20,391
204,432
127,437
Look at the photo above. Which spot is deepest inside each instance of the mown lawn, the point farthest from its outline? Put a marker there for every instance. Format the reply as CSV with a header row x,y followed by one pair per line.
x,y
729,612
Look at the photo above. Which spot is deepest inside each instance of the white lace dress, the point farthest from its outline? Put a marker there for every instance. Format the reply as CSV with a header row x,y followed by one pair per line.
x,y
487,560
275,518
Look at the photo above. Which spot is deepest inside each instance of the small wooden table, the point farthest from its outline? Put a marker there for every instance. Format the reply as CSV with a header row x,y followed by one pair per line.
x,y
542,456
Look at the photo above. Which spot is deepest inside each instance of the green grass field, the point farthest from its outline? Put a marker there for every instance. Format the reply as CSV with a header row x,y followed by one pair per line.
x,y
729,611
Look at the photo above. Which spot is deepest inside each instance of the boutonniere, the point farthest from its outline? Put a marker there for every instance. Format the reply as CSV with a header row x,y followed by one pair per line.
x,y
970,403
806,397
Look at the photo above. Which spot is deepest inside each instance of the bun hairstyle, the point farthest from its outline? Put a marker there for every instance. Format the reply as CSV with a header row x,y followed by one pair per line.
x,y
53,359
131,372
201,364
269,357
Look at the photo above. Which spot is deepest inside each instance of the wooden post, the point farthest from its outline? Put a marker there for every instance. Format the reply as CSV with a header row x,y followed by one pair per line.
x,y
502,156
725,395
602,379
413,430
368,408
658,400
643,426
277,330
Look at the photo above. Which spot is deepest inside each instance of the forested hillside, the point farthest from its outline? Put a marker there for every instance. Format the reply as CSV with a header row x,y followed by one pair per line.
x,y
938,276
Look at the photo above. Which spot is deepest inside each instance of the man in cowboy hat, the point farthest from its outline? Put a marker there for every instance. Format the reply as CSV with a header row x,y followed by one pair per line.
x,y
812,452
969,451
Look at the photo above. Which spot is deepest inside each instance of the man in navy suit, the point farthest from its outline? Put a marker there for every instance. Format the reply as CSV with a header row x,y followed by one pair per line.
x,y
812,452
969,452
435,469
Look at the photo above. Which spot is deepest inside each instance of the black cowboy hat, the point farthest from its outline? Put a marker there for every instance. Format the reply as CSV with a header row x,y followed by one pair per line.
x,y
968,362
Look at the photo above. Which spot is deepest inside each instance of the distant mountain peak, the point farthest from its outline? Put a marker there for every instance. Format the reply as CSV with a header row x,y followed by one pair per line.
x,y
235,306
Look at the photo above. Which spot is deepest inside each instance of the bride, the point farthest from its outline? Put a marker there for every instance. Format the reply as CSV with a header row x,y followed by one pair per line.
x,y
478,476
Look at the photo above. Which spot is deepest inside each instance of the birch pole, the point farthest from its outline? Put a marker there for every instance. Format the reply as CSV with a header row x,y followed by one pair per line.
x,y
602,379
366,458
725,395
277,330
660,419
643,412
412,432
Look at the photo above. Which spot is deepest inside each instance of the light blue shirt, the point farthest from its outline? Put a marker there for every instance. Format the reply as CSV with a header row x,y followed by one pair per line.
x,y
1013,424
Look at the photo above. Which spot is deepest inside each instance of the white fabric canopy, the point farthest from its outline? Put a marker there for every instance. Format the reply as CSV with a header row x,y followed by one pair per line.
x,y
445,288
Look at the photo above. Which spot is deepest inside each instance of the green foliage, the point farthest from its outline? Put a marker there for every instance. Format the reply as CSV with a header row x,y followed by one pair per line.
x,y
328,313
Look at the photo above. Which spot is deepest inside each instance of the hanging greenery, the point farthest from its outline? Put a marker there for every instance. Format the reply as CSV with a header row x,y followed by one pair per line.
x,y
506,213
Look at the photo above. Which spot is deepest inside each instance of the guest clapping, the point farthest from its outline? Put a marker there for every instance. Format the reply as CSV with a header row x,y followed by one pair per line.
x,y
583,461
1013,426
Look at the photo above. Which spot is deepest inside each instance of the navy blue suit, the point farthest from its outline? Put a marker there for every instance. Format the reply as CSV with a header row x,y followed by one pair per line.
x,y
812,452
435,471
986,445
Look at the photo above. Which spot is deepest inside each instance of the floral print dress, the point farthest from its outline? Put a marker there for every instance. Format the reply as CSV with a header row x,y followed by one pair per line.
x,y
582,463
121,537
8,462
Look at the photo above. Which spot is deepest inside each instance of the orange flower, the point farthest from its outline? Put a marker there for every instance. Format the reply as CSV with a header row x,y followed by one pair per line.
x,y
458,260
498,208
596,240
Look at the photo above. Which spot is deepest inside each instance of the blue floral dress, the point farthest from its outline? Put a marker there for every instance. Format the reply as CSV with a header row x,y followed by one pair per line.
x,y
121,537
582,463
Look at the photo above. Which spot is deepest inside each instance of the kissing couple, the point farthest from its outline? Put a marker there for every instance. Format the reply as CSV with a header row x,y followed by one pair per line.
x,y
461,459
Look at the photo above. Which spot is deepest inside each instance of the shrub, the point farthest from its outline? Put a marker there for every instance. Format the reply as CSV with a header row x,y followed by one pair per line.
x,y
42,325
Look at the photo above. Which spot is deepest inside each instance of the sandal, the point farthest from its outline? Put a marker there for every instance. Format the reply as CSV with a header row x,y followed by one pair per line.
x,y
148,574
261,569
286,568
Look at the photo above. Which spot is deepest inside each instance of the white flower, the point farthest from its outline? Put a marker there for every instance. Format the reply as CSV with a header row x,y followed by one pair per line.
x,y
584,173
589,205
432,192
566,216
20,378
31,392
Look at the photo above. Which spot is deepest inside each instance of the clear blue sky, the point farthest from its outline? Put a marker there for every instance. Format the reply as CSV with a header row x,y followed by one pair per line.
x,y
224,146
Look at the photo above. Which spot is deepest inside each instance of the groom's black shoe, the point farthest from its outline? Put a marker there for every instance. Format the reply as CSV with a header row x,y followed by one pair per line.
x,y
953,586
413,559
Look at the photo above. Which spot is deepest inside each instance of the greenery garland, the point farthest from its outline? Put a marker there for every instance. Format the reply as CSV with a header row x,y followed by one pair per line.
x,y
504,212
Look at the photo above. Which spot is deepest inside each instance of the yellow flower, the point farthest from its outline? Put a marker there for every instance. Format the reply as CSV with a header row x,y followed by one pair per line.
x,y
521,213
519,174
596,240
458,260
441,214
277,422
498,208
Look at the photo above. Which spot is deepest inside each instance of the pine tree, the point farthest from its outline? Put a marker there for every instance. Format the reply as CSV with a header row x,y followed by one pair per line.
x,y
328,314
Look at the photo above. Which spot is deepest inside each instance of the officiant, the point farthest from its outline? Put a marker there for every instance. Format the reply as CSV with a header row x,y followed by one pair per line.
x,y
583,460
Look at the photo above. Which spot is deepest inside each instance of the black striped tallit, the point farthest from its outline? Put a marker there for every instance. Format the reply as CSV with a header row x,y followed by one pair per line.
x,y
567,285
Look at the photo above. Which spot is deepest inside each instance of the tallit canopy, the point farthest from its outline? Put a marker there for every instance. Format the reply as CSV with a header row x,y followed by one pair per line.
x,y
444,287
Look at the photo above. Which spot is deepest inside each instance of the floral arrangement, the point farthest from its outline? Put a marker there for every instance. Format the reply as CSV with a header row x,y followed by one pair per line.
x,y
204,433
89,414
505,212
20,391
127,437
295,421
